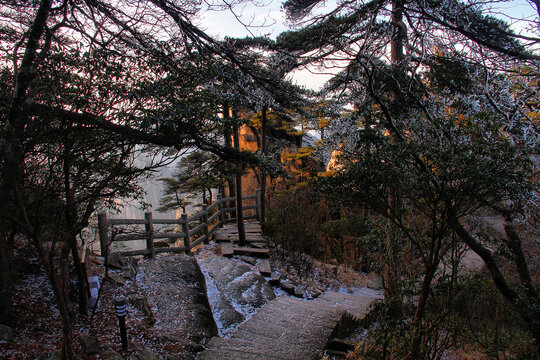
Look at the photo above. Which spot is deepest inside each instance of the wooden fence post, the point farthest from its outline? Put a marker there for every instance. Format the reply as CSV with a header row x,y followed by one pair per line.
x,y
149,227
185,229
205,219
258,204
103,229
220,210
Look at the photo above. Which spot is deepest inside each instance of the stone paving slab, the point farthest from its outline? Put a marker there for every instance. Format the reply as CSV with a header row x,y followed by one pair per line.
x,y
285,328
256,252
226,249
355,304
261,349
264,267
289,328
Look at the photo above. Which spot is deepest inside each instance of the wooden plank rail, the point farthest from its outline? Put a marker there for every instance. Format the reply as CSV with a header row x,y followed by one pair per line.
x,y
203,225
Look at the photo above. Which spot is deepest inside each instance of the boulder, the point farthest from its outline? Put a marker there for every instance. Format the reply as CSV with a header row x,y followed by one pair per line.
x,y
248,259
250,289
275,277
236,290
315,292
130,270
174,288
287,285
119,280
48,356
141,303
111,355
6,333
117,261
145,355
376,283
89,344
299,291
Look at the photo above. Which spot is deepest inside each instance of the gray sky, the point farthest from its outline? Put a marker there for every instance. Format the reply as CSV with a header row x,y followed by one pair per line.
x,y
267,19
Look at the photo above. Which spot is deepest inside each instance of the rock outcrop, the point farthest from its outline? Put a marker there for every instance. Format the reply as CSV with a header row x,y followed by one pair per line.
x,y
236,291
175,289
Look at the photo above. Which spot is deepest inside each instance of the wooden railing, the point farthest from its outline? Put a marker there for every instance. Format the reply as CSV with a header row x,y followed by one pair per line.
x,y
196,228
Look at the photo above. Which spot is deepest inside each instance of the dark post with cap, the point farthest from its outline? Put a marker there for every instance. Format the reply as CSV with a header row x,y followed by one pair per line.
x,y
220,210
205,220
121,312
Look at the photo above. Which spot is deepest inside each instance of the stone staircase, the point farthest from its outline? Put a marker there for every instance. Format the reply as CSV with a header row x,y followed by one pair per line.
x,y
290,328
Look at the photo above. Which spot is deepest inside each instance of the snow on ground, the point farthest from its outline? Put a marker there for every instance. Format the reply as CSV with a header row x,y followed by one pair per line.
x,y
237,294
319,278
213,295
37,327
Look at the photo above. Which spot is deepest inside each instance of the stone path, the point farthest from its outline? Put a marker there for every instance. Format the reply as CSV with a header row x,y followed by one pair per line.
x,y
257,246
285,328
289,328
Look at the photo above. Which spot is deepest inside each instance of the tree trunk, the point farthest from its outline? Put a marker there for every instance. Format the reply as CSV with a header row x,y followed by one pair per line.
x,y
264,129
6,285
529,309
64,306
238,181
397,56
71,220
210,196
414,352
513,243
81,277
59,282
12,153
228,142
399,34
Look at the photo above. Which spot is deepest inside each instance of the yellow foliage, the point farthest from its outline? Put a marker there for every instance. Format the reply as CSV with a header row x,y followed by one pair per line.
x,y
300,185
327,173
300,153
534,116
323,122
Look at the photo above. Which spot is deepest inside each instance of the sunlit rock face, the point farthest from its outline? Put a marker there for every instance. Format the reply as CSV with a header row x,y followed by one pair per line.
x,y
334,164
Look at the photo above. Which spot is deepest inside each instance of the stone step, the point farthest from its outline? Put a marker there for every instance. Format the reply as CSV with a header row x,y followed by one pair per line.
x,y
341,345
250,251
356,306
336,353
234,237
285,329
223,354
226,249
264,347
264,267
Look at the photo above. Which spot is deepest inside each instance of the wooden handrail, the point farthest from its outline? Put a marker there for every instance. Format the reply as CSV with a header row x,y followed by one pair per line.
x,y
205,222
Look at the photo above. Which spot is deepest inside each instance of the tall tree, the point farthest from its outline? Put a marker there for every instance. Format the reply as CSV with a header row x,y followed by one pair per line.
x,y
82,104
407,66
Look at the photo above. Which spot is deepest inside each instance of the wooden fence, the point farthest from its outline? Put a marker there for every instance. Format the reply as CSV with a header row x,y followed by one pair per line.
x,y
196,228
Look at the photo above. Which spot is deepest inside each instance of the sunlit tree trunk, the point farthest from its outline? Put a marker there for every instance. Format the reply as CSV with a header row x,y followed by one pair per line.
x,y
238,181
228,143
264,129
